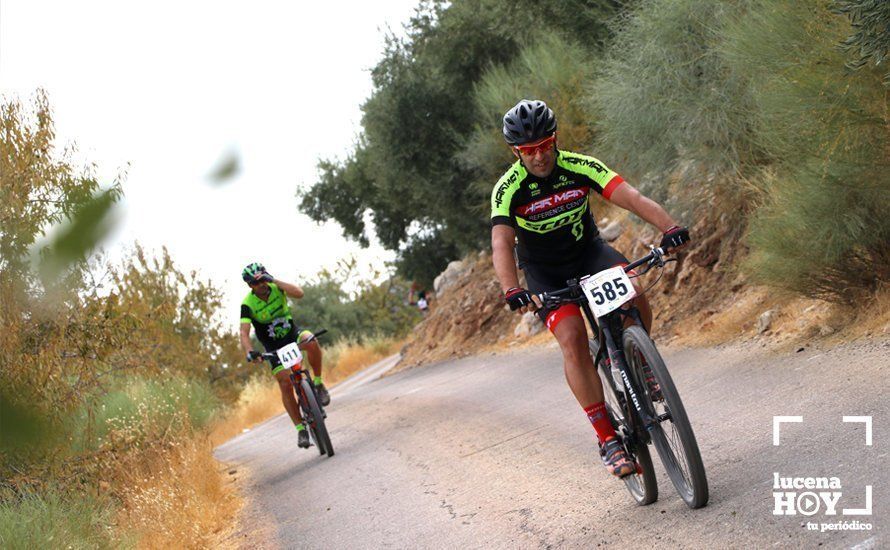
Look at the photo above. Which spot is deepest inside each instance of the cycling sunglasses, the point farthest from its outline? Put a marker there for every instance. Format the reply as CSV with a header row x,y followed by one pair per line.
x,y
532,149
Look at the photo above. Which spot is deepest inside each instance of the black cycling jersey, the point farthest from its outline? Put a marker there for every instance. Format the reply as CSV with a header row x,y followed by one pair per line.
x,y
552,215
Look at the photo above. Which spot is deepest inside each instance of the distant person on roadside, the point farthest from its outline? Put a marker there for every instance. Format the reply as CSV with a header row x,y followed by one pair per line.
x,y
422,304
543,201
267,309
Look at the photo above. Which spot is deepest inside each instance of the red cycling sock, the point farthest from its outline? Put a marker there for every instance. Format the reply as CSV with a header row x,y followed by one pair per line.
x,y
598,416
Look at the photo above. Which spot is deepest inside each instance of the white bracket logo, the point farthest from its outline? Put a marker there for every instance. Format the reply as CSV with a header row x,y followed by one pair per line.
x,y
777,422
808,503
863,419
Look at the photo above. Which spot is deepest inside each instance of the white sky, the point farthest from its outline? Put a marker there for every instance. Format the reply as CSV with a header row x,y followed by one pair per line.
x,y
171,87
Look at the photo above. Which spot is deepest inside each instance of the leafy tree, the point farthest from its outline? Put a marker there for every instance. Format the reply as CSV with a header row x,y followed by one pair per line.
x,y
665,97
371,310
405,168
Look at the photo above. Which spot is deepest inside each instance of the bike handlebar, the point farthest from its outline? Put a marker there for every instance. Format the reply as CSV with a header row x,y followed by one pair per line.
x,y
272,354
573,293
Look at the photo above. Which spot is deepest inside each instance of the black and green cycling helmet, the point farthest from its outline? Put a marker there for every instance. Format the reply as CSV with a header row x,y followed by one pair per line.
x,y
252,271
529,120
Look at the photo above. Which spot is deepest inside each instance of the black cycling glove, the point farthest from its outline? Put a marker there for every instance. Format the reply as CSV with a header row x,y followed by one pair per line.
x,y
252,355
265,277
674,237
517,297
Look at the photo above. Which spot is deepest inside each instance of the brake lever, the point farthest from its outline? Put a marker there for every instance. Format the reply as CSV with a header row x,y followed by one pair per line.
x,y
658,256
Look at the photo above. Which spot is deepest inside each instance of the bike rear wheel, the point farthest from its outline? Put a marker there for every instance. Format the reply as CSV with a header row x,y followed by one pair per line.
x,y
315,418
672,436
642,486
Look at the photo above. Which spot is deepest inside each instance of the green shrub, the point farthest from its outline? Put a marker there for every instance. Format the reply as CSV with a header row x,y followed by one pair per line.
x,y
144,409
664,96
822,229
31,520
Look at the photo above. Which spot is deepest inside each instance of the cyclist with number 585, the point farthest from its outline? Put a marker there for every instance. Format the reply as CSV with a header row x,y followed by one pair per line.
x,y
266,308
542,201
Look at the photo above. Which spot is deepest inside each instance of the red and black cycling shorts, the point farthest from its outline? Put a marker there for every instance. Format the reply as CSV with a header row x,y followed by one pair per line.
x,y
547,278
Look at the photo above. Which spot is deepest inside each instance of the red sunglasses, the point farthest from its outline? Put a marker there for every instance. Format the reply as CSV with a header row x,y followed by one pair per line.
x,y
532,149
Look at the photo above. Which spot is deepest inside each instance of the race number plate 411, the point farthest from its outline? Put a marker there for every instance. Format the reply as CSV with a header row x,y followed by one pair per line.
x,y
289,355
607,290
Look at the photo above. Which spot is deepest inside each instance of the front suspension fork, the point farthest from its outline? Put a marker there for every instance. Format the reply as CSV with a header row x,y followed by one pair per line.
x,y
618,361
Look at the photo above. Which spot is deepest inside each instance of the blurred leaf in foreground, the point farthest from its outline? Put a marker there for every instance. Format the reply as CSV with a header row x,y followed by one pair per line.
x,y
89,224
227,168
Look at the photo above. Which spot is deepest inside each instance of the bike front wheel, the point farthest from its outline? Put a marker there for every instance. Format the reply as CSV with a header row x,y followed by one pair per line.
x,y
315,419
641,485
672,434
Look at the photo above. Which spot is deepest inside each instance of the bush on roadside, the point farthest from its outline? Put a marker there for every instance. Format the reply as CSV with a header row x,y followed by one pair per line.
x,y
665,99
822,228
108,372
49,520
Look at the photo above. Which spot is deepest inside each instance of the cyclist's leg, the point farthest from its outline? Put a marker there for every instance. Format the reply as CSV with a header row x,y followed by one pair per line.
x,y
602,256
313,352
282,375
571,334
567,325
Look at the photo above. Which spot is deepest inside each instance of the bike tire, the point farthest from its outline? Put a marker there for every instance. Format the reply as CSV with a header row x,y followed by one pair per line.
x,y
642,486
317,426
307,415
691,484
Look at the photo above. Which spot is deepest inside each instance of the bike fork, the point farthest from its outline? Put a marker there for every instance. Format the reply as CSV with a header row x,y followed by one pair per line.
x,y
630,387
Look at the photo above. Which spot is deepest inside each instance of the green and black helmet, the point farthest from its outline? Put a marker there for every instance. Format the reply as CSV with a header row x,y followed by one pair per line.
x,y
252,271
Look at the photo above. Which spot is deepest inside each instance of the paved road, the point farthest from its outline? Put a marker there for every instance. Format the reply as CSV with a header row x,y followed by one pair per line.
x,y
493,452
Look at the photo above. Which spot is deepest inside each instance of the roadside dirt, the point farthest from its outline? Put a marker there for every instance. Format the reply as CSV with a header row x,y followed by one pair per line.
x,y
252,528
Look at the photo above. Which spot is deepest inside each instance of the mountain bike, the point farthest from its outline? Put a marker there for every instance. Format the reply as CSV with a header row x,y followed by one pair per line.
x,y
641,398
313,413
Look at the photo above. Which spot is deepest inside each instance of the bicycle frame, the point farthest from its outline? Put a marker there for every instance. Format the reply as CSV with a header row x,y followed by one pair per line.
x,y
604,327
297,372
609,329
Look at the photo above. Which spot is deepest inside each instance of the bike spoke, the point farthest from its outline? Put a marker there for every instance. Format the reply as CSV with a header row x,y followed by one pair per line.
x,y
662,414
677,445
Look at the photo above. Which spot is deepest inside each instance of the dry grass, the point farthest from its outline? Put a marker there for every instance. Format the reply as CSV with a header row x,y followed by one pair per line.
x,y
345,358
260,399
174,497
873,319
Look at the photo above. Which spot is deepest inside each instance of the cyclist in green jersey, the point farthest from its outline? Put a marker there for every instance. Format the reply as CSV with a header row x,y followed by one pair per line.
x,y
541,207
267,309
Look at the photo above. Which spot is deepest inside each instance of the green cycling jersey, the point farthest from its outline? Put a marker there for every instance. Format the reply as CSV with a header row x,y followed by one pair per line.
x,y
271,318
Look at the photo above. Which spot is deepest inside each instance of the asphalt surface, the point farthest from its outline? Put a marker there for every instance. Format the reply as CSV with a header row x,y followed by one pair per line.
x,y
493,452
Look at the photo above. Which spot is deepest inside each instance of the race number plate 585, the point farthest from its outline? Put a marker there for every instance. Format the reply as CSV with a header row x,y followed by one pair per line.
x,y
608,290
290,355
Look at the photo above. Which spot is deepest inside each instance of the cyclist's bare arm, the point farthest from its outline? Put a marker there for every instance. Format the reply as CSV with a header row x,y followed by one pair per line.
x,y
246,344
630,199
503,239
291,290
